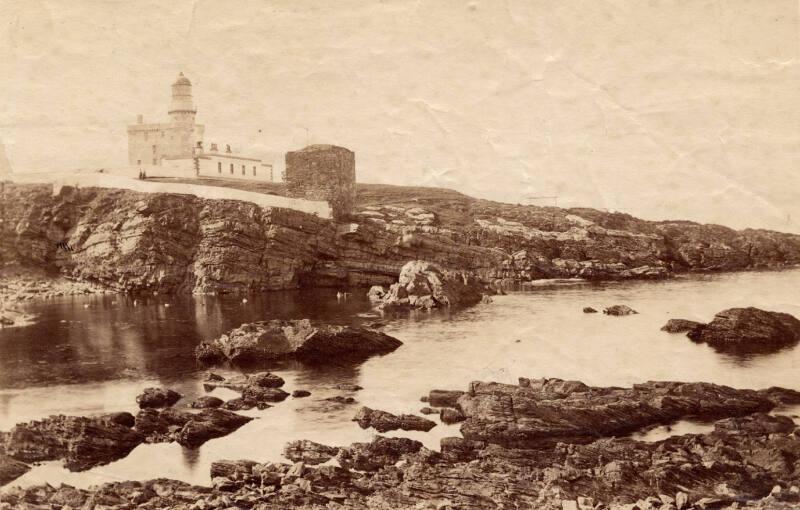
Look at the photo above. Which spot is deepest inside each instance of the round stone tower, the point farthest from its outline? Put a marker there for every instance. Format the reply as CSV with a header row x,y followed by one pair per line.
x,y
323,172
182,108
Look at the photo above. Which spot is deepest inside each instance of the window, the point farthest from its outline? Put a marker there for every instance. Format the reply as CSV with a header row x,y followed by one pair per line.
x,y
243,171
138,161
254,170
219,167
231,168
154,161
154,148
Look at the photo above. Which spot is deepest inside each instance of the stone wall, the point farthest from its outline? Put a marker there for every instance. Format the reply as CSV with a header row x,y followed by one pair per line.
x,y
323,172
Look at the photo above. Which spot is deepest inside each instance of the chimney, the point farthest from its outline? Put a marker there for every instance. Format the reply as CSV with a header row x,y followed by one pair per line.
x,y
214,147
228,149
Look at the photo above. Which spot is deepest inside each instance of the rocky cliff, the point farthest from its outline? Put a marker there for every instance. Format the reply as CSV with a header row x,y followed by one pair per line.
x,y
180,243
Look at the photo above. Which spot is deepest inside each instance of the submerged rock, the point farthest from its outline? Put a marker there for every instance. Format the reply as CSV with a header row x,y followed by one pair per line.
x,y
384,422
681,326
300,339
157,397
619,310
749,330
589,309
301,393
425,285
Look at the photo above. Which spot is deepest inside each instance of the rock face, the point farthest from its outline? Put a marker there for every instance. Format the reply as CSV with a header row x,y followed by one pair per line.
x,y
140,242
384,422
157,397
300,339
681,326
425,285
749,330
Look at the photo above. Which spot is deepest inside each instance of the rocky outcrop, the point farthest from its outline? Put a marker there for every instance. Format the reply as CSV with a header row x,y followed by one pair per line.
x,y
542,412
425,285
81,442
745,461
748,330
207,402
187,428
299,339
139,242
385,422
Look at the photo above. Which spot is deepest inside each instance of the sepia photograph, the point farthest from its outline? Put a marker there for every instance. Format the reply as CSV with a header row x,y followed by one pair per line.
x,y
399,254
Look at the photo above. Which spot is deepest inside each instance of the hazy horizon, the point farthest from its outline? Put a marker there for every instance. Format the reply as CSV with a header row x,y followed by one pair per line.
x,y
663,110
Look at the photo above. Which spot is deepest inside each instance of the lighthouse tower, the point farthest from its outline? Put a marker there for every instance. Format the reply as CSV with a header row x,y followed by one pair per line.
x,y
152,144
181,109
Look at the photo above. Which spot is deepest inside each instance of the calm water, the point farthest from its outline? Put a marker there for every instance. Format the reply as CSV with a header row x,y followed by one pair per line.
x,y
95,354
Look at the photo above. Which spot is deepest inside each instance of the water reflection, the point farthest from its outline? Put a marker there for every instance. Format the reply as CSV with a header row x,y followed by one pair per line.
x,y
89,360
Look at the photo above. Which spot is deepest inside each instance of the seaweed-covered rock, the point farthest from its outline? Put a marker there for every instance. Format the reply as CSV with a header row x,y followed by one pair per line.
x,y
309,452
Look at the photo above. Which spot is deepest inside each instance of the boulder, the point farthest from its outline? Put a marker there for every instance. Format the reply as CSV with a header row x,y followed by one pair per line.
x,y
299,339
619,310
301,393
589,309
157,397
207,402
260,394
681,326
243,404
384,422
309,452
425,285
376,293
749,330
449,415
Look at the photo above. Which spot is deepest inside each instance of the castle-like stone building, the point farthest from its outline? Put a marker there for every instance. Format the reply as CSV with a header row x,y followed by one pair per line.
x,y
323,172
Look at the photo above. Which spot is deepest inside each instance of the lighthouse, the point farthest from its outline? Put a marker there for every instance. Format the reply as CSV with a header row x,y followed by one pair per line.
x,y
181,109
153,144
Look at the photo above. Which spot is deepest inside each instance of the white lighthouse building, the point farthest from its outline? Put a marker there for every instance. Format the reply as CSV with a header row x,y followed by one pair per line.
x,y
175,148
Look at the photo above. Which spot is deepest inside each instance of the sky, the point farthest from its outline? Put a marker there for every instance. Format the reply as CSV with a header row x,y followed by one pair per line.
x,y
661,109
